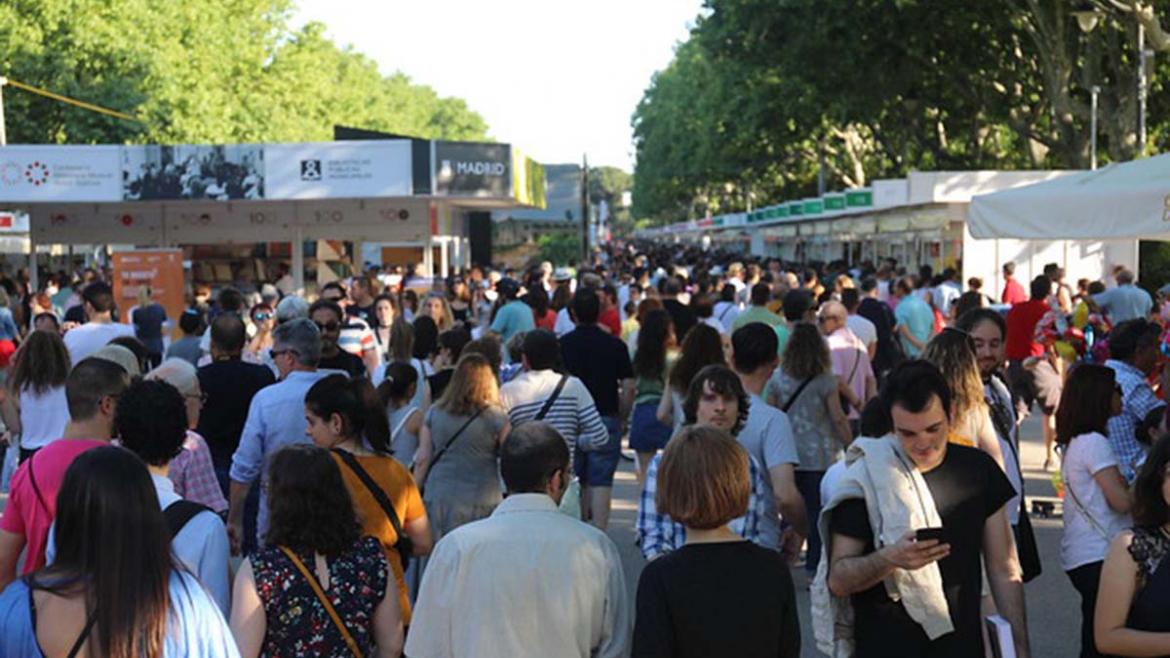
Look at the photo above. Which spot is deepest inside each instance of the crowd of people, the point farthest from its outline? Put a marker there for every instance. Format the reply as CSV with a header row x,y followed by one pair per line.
x,y
425,467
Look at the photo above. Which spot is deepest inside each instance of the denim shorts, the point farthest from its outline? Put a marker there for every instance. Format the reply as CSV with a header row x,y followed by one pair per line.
x,y
646,433
596,468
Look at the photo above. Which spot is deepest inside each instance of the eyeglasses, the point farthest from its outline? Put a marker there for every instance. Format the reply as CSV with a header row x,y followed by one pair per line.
x,y
275,353
328,326
262,317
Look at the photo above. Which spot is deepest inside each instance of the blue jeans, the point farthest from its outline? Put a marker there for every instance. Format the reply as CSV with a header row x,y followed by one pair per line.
x,y
596,468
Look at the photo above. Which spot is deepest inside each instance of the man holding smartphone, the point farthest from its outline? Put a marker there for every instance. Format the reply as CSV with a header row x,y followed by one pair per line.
x,y
969,492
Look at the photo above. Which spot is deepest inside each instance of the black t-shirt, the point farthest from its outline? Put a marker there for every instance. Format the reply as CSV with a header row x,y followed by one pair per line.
x,y
728,599
681,315
364,312
344,361
882,318
229,387
967,487
600,361
439,381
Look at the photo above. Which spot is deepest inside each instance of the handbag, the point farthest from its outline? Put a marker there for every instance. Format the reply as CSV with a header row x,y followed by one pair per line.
x,y
325,602
404,546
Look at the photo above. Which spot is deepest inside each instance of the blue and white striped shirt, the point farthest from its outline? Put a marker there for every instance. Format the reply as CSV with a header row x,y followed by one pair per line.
x,y
573,413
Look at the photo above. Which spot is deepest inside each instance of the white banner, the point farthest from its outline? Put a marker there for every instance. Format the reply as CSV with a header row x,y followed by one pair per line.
x,y
60,173
338,170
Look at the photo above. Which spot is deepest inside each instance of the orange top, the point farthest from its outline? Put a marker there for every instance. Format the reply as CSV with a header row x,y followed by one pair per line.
x,y
400,488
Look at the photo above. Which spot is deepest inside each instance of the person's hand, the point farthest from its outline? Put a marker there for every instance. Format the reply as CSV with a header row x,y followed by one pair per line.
x,y
235,533
790,544
66,326
911,555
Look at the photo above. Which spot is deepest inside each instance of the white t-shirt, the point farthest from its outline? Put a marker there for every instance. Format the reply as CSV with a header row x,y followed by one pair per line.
x,y
88,338
862,328
564,323
1082,543
42,417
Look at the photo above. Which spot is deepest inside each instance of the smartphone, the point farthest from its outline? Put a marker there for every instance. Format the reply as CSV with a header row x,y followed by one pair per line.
x,y
926,534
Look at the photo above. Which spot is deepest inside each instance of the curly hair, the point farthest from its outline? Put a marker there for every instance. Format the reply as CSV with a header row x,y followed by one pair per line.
x,y
723,382
151,421
806,354
41,363
309,505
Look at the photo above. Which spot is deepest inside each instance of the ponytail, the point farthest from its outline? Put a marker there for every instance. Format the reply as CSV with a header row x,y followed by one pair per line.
x,y
400,376
362,413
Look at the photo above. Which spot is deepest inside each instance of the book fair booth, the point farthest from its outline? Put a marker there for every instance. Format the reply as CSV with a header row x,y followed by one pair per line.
x,y
242,214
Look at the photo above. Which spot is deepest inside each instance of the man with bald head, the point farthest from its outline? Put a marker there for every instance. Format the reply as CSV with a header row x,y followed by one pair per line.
x,y
228,384
850,359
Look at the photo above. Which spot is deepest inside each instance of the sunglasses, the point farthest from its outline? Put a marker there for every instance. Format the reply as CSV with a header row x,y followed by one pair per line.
x,y
262,317
332,298
328,326
275,353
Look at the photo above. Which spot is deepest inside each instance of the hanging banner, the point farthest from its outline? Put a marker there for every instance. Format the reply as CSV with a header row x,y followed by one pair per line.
x,y
337,170
161,269
59,173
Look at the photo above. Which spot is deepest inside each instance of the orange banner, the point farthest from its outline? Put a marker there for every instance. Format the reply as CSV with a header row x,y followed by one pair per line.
x,y
161,269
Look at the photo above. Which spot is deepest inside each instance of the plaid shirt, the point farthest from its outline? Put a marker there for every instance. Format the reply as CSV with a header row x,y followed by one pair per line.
x,y
1137,401
194,476
657,534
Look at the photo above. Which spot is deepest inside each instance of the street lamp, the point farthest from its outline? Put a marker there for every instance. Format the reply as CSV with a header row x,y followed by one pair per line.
x,y
1087,18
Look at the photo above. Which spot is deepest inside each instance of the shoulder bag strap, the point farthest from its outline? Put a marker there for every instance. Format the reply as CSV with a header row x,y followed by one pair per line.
x,y
401,424
451,441
1084,512
853,371
325,602
383,501
799,390
725,310
89,624
32,478
552,398
180,512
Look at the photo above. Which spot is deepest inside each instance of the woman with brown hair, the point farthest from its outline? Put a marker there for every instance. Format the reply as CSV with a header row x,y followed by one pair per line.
x,y
35,407
438,309
718,595
703,346
115,588
656,345
1097,501
952,351
805,388
458,447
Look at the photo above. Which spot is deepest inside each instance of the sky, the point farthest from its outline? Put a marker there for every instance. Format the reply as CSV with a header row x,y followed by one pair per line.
x,y
559,79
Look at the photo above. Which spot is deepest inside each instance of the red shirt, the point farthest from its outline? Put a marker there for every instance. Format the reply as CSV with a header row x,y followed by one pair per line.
x,y
31,509
1013,293
1021,330
549,321
612,320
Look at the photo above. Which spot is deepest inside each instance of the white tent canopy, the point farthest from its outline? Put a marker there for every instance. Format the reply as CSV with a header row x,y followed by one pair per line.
x,y
1127,200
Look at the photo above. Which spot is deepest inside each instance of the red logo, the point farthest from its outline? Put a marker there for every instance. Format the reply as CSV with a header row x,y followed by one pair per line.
x,y
37,174
127,220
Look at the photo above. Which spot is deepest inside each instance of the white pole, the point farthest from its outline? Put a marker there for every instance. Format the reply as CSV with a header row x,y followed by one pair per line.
x,y
1093,137
298,260
1141,42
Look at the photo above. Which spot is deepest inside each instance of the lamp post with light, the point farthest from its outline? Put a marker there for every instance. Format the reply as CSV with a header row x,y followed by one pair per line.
x,y
1087,19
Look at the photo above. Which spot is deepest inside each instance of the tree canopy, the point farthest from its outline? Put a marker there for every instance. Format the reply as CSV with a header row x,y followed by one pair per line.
x,y
202,71
765,94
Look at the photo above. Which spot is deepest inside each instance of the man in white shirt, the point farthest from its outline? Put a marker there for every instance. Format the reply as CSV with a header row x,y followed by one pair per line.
x,y
861,327
99,328
528,580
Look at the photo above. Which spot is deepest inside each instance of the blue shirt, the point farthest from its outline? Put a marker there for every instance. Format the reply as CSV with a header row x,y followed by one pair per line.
x,y
511,319
276,418
914,314
7,325
1125,302
1137,401
201,633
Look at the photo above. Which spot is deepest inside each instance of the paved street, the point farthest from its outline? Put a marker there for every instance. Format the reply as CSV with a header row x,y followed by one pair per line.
x,y
1053,605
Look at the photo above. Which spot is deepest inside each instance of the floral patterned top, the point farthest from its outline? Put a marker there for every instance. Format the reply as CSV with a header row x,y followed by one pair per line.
x,y
298,624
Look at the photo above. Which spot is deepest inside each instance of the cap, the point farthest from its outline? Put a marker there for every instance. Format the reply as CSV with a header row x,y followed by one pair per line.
x,y
562,274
